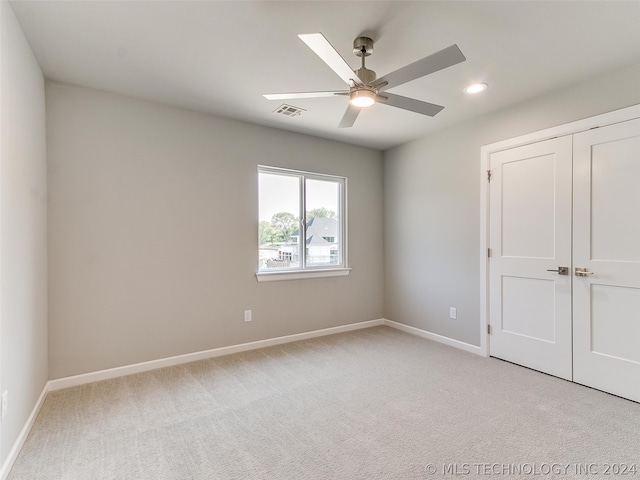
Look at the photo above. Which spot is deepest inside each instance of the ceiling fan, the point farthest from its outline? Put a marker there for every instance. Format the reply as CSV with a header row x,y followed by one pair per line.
x,y
364,88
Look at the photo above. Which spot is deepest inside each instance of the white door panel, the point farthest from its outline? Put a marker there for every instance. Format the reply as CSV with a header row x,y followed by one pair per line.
x,y
528,186
607,243
530,233
615,171
611,332
529,300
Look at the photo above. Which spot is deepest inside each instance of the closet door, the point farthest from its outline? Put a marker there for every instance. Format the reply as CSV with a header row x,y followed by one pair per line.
x,y
530,238
606,298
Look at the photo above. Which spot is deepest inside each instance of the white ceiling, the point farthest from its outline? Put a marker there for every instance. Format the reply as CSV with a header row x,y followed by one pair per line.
x,y
219,57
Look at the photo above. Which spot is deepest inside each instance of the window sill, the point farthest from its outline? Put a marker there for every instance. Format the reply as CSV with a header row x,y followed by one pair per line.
x,y
301,275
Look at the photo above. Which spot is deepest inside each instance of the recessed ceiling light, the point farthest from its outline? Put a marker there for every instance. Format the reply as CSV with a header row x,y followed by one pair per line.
x,y
476,88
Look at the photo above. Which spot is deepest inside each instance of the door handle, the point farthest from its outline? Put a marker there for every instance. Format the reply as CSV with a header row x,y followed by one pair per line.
x,y
582,272
561,270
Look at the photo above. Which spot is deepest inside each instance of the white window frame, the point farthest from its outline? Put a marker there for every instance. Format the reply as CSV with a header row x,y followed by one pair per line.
x,y
304,271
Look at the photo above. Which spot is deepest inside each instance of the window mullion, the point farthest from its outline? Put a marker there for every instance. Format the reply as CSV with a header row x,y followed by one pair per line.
x,y
303,223
341,224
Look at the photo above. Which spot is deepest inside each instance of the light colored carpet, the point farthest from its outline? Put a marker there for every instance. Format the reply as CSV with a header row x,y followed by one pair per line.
x,y
370,404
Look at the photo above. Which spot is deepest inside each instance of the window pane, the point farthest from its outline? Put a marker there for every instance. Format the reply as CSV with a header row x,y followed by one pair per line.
x,y
323,223
279,214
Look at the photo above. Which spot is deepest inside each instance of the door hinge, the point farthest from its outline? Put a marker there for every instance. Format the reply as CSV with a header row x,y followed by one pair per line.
x,y
488,252
489,329
488,175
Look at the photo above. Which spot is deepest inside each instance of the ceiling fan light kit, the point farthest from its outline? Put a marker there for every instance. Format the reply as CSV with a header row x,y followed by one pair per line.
x,y
364,88
362,97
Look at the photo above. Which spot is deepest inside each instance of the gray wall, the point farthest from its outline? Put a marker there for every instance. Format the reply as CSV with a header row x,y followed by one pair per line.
x,y
153,232
23,230
432,195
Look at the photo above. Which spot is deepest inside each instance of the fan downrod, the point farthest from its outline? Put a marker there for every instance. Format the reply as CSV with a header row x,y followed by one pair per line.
x,y
363,47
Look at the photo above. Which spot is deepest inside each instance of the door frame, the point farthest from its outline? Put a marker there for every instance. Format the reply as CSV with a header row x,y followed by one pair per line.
x,y
602,120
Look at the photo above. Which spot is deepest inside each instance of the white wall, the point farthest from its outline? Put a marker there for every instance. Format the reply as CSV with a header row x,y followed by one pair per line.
x,y
153,232
23,230
432,195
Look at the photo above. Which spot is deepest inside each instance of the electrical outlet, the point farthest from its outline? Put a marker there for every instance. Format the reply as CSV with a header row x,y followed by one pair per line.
x,y
5,399
247,315
453,313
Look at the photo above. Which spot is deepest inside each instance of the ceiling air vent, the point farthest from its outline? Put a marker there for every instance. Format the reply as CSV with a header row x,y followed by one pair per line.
x,y
289,110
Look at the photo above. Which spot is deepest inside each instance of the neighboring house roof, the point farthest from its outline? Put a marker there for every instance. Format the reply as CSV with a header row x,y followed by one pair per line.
x,y
315,240
318,230
321,226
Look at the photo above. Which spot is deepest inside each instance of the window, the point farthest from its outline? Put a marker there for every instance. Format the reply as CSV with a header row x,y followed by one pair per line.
x,y
302,227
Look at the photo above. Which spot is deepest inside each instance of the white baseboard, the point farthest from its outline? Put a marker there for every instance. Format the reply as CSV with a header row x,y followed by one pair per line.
x,y
24,433
81,379
99,375
467,347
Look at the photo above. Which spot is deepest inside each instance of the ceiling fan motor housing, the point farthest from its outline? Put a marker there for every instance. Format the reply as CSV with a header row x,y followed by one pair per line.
x,y
362,46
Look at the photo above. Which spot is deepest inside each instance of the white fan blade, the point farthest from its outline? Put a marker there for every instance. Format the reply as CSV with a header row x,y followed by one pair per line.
x,y
410,104
286,96
439,60
349,117
321,47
